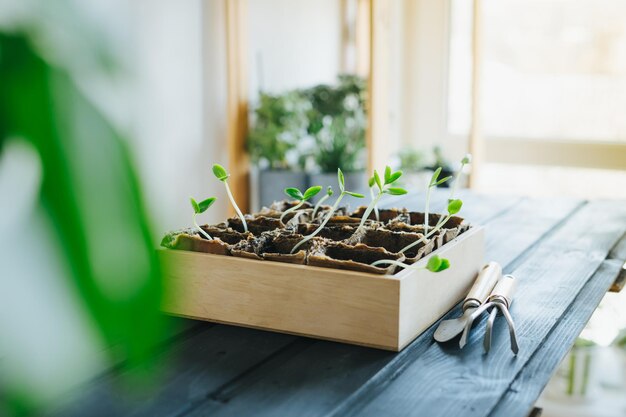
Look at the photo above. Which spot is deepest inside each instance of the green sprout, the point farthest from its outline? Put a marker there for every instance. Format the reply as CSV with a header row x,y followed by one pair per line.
x,y
199,208
435,264
329,193
342,188
371,183
383,188
298,195
467,159
221,174
454,207
434,182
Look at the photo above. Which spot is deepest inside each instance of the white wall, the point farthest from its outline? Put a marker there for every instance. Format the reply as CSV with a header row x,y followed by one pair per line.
x,y
180,106
293,44
180,127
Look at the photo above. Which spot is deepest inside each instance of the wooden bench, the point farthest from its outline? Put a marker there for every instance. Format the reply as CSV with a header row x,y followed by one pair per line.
x,y
566,254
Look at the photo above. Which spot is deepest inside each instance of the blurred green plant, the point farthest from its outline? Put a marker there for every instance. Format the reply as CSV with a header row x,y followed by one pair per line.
x,y
340,143
91,195
337,121
279,122
411,160
324,124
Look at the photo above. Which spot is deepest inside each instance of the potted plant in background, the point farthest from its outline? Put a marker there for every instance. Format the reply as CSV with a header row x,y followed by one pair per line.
x,y
278,123
412,162
337,122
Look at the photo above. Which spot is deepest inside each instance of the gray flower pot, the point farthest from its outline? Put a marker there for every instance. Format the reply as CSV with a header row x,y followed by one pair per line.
x,y
271,184
355,181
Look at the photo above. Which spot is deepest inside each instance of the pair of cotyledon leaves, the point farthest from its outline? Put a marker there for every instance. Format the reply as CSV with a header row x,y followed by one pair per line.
x,y
202,206
388,179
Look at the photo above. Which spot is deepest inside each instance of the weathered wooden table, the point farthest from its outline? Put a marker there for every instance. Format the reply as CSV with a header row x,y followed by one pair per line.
x,y
565,253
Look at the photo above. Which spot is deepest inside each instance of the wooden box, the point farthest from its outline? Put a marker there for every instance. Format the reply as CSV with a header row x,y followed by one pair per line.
x,y
385,312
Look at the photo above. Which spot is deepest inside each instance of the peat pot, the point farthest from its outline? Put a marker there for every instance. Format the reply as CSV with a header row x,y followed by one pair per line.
x,y
282,294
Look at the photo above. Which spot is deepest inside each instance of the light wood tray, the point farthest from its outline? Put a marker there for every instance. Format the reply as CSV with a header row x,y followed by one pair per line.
x,y
385,312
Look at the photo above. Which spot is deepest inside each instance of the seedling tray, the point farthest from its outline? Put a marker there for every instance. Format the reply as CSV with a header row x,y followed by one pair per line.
x,y
380,311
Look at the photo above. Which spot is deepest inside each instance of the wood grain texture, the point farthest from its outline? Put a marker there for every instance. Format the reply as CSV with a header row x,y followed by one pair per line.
x,y
329,378
236,17
333,304
186,373
619,254
530,381
438,381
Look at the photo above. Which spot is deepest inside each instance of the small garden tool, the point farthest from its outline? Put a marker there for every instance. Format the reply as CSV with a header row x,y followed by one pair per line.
x,y
500,299
484,284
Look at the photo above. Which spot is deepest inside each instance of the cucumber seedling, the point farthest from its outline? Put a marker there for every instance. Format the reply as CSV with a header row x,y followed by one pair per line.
x,y
301,197
201,207
342,187
467,159
221,174
434,182
435,264
454,207
384,187
371,182
329,193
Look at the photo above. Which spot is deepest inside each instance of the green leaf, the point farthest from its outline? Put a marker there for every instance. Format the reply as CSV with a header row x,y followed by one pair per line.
x,y
329,191
394,177
467,159
294,193
433,179
220,172
205,204
434,263
441,181
311,191
396,191
357,195
454,206
194,204
87,174
445,264
371,182
341,180
387,174
377,179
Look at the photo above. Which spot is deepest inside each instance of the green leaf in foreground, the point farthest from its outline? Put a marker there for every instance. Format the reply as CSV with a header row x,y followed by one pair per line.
x,y
205,204
437,264
377,179
312,191
220,172
396,191
454,206
294,193
394,177
341,180
353,194
387,175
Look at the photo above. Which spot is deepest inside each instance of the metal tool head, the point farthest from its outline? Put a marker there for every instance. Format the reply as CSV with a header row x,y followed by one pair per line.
x,y
500,299
451,328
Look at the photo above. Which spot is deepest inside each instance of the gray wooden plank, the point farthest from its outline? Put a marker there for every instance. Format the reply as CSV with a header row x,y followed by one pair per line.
x,y
530,381
619,250
323,376
447,381
185,374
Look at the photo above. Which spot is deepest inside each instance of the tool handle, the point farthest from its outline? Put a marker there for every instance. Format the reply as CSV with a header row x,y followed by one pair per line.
x,y
484,284
504,289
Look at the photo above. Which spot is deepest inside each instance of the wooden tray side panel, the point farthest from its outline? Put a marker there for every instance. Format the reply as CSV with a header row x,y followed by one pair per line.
x,y
426,296
317,302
